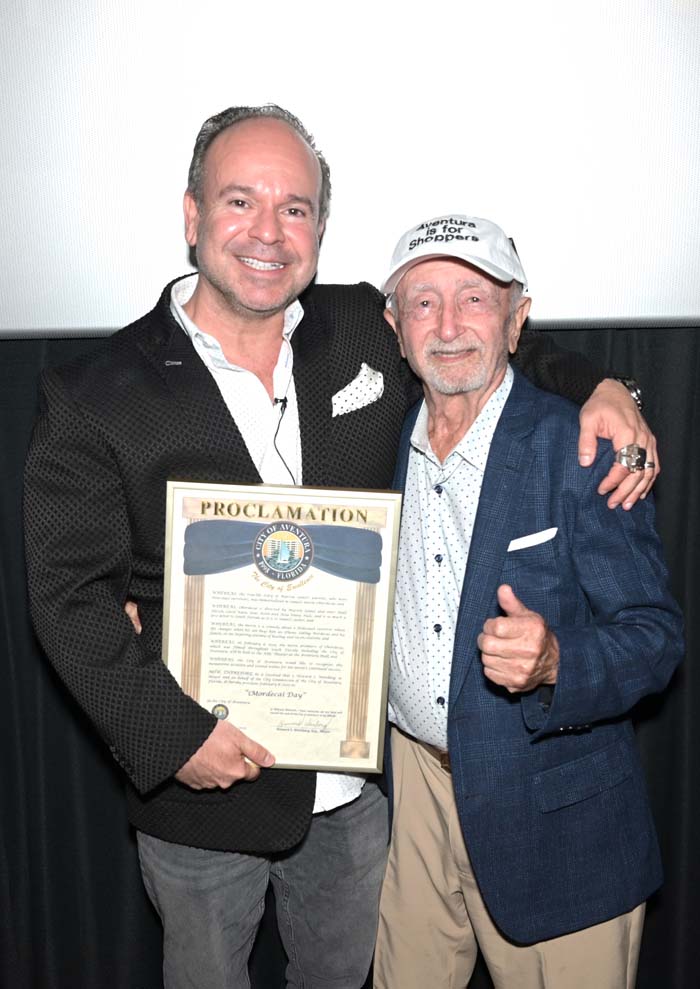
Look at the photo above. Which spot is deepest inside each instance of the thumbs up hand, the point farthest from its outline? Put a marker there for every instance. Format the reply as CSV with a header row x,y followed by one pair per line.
x,y
518,650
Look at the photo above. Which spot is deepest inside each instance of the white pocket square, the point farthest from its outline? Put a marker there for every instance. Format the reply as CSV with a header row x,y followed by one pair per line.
x,y
366,388
534,539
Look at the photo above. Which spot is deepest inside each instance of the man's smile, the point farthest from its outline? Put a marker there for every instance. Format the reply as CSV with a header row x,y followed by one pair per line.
x,y
261,265
454,353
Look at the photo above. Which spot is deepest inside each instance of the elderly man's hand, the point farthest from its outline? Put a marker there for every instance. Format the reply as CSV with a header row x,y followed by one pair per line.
x,y
225,757
518,650
611,413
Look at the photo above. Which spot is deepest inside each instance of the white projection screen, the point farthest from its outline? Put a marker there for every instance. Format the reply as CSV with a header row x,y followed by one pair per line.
x,y
576,126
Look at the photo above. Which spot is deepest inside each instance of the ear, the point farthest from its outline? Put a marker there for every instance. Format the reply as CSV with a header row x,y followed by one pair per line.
x,y
321,230
191,218
390,317
516,323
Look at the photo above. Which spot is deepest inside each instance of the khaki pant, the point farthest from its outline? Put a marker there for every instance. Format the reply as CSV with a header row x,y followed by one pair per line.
x,y
432,919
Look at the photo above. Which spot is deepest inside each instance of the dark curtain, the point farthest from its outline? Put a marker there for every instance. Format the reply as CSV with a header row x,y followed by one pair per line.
x,y
73,912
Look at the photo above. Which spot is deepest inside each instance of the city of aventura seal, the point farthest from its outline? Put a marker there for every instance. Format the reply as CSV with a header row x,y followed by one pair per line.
x,y
283,551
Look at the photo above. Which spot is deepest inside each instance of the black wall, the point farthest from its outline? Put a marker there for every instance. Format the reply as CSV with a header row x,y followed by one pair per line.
x,y
73,914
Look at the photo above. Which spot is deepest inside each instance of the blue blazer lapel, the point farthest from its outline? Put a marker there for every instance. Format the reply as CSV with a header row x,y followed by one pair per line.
x,y
507,471
399,482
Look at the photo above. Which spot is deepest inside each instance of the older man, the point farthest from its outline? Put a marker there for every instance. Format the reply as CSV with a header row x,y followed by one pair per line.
x,y
233,378
529,620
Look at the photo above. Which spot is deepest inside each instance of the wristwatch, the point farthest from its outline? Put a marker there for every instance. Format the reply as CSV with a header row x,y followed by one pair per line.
x,y
633,387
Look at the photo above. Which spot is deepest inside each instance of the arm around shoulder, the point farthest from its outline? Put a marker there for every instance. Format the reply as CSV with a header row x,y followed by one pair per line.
x,y
608,411
555,369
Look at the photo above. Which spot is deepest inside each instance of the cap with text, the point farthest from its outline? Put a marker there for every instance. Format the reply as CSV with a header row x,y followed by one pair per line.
x,y
467,238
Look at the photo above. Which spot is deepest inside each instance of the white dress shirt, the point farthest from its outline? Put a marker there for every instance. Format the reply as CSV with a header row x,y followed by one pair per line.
x,y
278,461
437,520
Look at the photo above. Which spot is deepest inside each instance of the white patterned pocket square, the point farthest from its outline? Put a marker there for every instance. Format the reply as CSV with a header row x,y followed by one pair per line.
x,y
534,539
366,388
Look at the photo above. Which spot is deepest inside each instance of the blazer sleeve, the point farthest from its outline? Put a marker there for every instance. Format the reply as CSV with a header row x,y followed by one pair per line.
x,y
554,369
632,640
79,565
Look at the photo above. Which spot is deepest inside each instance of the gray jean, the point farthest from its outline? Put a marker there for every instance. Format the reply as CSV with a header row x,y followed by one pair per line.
x,y
326,891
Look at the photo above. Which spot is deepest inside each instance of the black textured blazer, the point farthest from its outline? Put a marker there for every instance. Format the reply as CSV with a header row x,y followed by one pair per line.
x,y
114,426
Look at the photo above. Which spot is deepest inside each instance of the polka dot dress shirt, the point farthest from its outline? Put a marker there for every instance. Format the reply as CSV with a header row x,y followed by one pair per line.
x,y
437,520
278,461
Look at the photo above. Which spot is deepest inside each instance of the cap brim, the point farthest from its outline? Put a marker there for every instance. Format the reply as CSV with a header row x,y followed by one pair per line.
x,y
395,277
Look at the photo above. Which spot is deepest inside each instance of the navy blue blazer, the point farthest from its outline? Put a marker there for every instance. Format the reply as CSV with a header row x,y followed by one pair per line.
x,y
549,787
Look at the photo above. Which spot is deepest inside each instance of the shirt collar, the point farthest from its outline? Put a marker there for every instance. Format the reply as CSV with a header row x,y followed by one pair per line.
x,y
182,292
475,444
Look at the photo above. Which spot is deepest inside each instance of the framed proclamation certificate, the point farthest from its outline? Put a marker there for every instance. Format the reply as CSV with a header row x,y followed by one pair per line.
x,y
277,614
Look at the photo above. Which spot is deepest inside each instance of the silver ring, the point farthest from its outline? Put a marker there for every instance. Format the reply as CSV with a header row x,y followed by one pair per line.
x,y
648,464
632,456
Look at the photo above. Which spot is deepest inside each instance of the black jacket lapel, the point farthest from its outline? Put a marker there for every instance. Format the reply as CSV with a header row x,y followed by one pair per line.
x,y
204,414
313,389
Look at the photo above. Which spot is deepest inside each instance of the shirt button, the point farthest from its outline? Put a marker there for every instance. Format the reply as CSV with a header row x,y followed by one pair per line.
x,y
437,628
438,558
441,701
438,489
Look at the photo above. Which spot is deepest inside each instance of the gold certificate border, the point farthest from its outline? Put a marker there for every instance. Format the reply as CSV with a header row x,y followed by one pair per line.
x,y
355,748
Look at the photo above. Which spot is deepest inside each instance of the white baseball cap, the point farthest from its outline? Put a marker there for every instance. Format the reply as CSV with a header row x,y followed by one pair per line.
x,y
469,238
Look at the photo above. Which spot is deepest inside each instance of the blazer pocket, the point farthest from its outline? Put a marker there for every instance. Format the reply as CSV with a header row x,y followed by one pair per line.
x,y
581,779
533,539
366,388
539,557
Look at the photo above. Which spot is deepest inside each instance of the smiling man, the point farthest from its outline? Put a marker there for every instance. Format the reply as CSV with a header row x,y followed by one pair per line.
x,y
521,826
257,229
244,372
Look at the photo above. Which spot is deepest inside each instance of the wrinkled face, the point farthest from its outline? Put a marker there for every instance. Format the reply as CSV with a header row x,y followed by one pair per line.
x,y
454,325
257,229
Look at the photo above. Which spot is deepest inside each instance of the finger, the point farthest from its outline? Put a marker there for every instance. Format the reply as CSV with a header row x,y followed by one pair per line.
x,y
513,680
628,486
132,612
252,771
630,489
653,456
496,664
510,603
501,637
254,752
615,476
511,637
493,673
491,647
645,479
587,445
